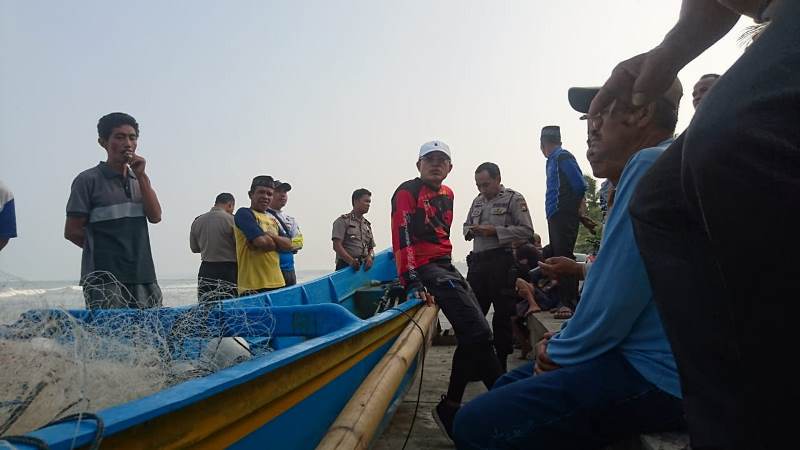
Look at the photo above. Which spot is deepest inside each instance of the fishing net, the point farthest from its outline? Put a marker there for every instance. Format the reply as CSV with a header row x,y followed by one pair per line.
x,y
55,362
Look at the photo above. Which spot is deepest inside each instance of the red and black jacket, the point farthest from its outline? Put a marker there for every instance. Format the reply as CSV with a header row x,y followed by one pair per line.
x,y
421,219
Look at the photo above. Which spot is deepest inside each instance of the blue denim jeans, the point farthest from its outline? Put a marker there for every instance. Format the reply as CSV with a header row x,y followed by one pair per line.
x,y
582,407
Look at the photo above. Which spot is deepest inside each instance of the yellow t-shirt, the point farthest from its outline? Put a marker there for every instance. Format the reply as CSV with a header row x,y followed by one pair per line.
x,y
257,269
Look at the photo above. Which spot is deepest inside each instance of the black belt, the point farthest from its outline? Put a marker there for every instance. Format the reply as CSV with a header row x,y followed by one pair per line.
x,y
487,255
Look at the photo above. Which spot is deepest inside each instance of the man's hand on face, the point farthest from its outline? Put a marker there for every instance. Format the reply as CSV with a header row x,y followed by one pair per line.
x,y
137,164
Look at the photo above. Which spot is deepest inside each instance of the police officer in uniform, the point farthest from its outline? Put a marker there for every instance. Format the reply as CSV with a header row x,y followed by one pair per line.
x,y
352,234
498,216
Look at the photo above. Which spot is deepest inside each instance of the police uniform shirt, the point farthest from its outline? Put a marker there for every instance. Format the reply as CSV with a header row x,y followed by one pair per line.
x,y
508,212
212,235
355,234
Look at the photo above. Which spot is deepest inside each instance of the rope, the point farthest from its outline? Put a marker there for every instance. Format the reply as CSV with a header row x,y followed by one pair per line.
x,y
421,373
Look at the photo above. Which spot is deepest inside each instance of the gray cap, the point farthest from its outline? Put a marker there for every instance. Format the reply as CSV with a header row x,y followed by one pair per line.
x,y
282,186
581,97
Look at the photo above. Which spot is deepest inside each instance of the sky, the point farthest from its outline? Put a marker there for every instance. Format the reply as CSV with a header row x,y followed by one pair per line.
x,y
330,96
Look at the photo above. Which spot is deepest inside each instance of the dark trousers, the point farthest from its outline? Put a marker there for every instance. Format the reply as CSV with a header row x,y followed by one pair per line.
x,y
729,187
102,292
289,277
563,230
582,407
216,281
492,277
474,357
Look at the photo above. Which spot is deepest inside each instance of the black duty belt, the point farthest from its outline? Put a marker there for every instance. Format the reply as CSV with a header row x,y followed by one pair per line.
x,y
489,255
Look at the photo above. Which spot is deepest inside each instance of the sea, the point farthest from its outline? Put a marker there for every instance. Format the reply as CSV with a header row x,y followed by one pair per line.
x,y
18,296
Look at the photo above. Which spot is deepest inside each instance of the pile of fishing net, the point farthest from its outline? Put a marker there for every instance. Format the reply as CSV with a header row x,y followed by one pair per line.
x,y
55,362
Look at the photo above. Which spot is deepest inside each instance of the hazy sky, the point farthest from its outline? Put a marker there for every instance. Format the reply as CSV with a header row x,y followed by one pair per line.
x,y
328,95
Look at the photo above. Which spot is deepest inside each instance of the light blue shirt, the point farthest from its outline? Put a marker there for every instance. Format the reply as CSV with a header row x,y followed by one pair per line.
x,y
616,310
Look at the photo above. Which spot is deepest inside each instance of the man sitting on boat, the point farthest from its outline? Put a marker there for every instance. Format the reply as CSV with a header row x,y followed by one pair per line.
x,y
258,241
609,372
422,212
108,210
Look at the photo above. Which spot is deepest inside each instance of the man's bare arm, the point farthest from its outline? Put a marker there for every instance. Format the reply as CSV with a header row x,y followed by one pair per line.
x,y
282,243
647,76
264,242
75,230
342,253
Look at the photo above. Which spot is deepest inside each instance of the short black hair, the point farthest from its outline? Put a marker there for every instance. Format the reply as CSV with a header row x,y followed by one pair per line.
x,y
710,75
107,123
491,168
223,198
357,194
665,115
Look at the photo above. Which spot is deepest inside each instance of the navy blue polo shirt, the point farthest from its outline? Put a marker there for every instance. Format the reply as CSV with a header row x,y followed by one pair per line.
x,y
117,238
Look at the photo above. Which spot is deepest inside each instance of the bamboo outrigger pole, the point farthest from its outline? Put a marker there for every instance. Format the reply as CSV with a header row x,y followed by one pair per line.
x,y
358,421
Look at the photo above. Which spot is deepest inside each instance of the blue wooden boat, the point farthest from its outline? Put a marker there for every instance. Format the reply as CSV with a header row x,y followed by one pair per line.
x,y
325,341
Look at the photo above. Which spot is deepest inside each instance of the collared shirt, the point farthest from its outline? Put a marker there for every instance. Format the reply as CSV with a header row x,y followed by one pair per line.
x,y
117,238
421,219
616,311
257,269
355,233
565,183
508,212
211,235
292,231
8,216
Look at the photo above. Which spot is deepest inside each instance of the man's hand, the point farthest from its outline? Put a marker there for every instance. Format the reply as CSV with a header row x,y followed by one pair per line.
x,y
589,223
137,164
645,77
368,263
560,266
484,230
543,361
417,293
355,264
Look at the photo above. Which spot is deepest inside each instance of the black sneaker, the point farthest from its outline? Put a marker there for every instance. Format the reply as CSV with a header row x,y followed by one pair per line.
x,y
443,414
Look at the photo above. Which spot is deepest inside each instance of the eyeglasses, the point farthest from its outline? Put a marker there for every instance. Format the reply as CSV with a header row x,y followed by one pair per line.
x,y
435,159
596,120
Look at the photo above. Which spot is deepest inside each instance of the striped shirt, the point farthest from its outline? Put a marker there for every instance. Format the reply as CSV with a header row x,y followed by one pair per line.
x,y
117,239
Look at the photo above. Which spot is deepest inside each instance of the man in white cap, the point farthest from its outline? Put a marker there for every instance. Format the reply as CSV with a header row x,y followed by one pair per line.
x,y
422,212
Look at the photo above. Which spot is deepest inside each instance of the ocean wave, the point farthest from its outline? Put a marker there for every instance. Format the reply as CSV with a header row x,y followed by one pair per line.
x,y
28,292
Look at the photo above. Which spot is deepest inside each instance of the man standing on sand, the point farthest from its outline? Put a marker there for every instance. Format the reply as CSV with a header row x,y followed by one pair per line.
x,y
8,216
211,235
258,241
563,206
108,210
352,237
288,228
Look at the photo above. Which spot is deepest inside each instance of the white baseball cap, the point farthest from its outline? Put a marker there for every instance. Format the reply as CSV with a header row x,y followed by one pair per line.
x,y
434,146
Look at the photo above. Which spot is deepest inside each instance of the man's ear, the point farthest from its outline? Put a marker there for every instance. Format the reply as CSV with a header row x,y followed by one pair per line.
x,y
417,165
101,142
643,116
